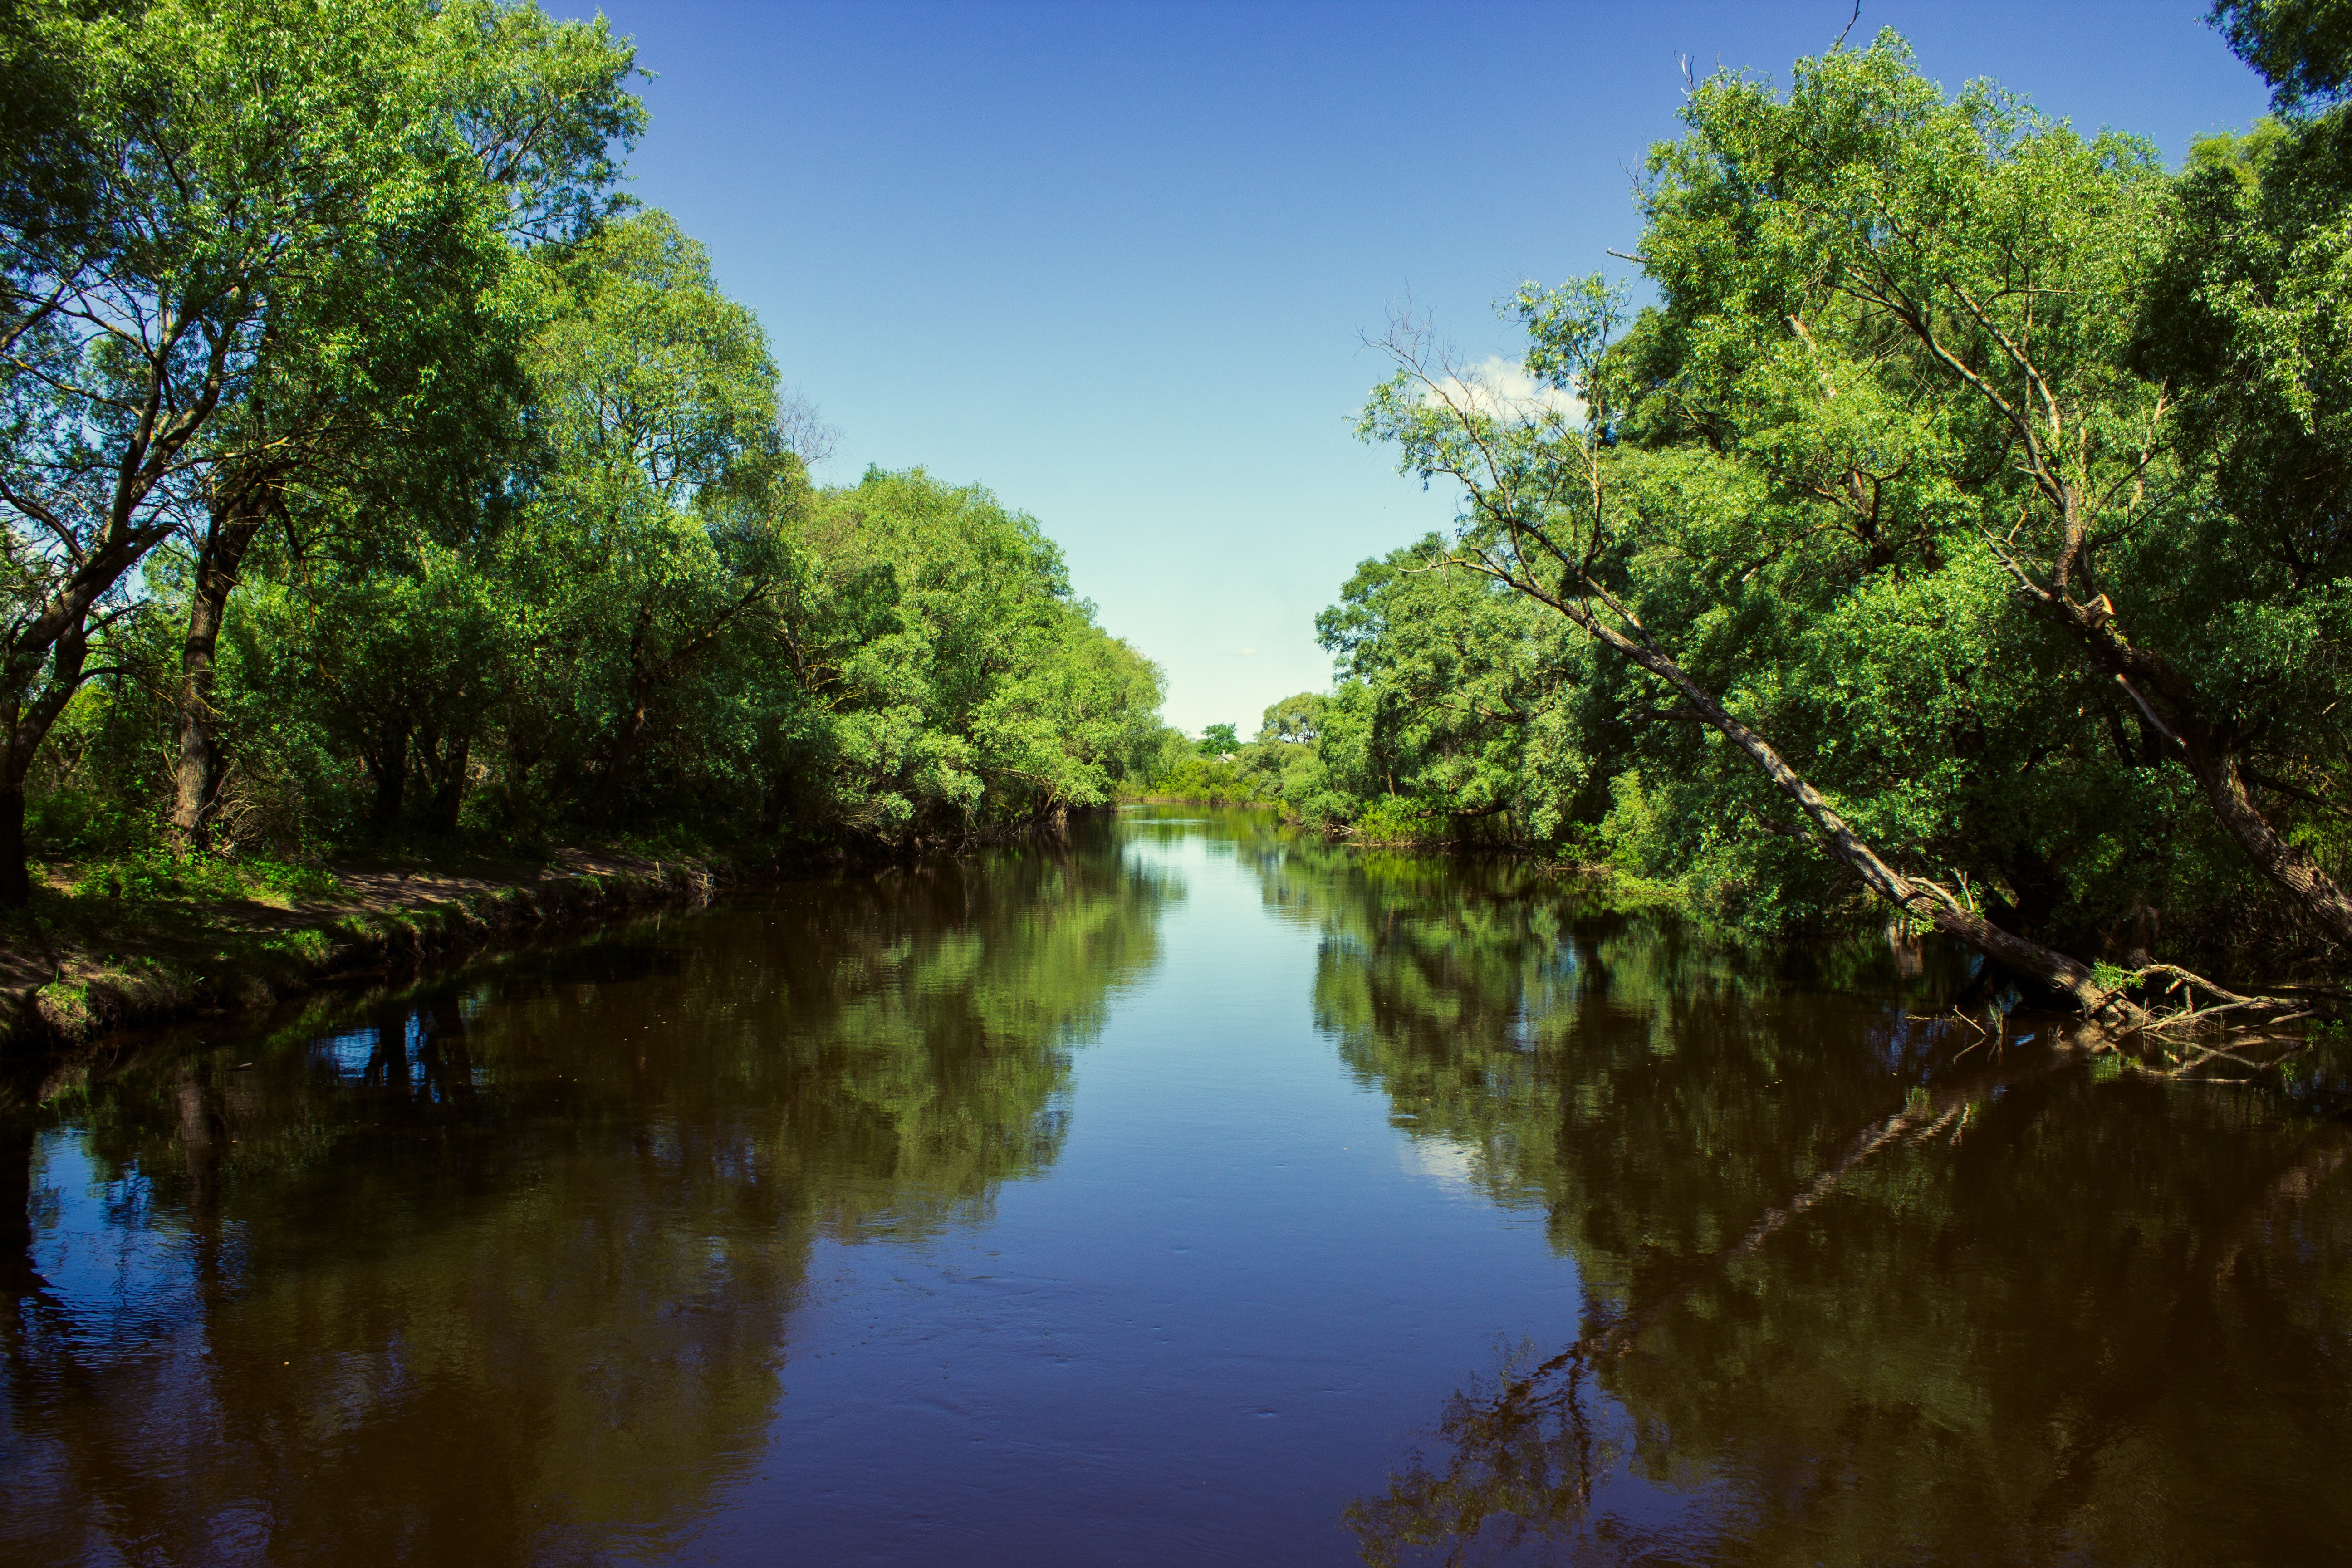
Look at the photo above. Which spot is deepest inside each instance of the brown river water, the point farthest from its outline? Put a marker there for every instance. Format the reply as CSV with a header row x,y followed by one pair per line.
x,y
1189,1192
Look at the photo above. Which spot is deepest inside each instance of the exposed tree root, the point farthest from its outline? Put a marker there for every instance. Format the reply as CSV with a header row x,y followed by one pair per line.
x,y
2224,1010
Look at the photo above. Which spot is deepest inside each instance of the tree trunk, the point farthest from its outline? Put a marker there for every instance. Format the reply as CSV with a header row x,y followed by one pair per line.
x,y
449,786
2050,967
387,763
15,882
607,797
23,726
522,754
2206,746
226,539
198,769
2287,865
624,744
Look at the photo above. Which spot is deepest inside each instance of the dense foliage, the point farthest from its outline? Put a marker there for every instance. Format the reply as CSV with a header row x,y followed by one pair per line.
x,y
1964,528
370,465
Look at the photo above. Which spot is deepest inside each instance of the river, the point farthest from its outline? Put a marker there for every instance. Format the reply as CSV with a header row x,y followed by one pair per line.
x,y
1193,1192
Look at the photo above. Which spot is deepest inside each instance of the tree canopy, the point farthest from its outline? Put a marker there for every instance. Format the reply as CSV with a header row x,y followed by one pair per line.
x,y
1956,534
371,465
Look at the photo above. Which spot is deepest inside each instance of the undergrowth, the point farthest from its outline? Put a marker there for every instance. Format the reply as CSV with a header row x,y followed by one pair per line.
x,y
156,875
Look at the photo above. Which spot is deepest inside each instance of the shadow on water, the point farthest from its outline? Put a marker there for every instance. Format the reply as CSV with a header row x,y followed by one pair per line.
x,y
1852,1293
501,1271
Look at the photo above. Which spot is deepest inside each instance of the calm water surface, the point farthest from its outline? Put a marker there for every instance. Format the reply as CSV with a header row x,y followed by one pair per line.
x,y
1192,1193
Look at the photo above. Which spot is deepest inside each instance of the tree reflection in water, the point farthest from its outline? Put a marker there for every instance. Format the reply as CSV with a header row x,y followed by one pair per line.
x,y
502,1270
499,1271
1851,1292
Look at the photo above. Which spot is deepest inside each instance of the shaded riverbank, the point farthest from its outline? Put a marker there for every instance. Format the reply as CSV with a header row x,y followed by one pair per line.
x,y
80,966
93,958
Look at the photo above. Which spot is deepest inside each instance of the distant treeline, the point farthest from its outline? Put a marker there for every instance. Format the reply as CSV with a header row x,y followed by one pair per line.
x,y
1960,534
370,466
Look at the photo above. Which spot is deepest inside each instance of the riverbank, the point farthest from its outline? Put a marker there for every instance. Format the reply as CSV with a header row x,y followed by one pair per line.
x,y
1622,890
91,958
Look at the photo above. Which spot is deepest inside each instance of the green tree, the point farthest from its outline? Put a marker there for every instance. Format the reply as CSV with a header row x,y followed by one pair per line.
x,y
1453,693
659,530
1965,273
961,686
1877,478
2245,322
237,168
1294,720
1217,740
2301,47
398,361
450,467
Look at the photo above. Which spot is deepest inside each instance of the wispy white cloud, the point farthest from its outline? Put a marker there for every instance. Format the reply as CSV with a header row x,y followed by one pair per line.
x,y
1500,388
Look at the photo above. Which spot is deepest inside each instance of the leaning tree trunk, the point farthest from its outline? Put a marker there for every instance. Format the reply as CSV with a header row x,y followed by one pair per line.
x,y
2202,732
2203,741
199,770
1910,895
2288,866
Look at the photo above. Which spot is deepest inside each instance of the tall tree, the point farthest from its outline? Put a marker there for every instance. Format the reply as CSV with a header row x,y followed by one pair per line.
x,y
399,358
1869,286
1907,471
237,162
660,527
1543,518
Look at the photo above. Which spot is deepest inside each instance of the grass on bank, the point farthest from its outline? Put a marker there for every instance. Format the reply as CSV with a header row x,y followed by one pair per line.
x,y
110,939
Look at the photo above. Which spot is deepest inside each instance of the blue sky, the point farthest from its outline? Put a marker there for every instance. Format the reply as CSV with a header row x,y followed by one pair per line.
x,y
1114,260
